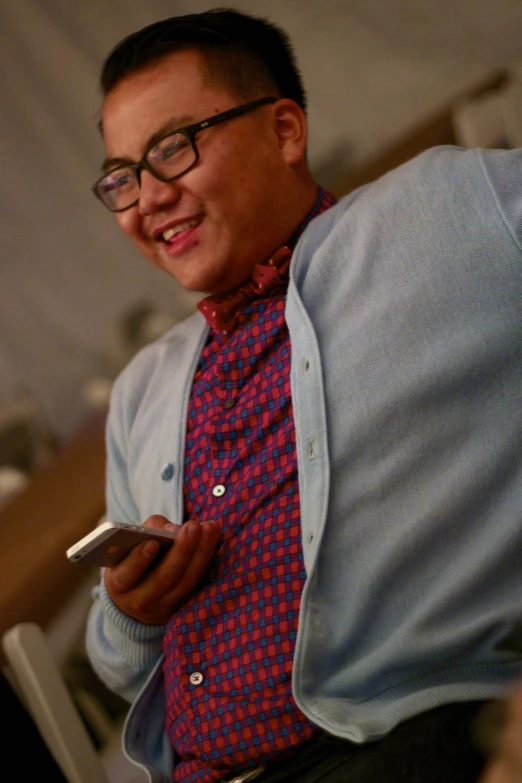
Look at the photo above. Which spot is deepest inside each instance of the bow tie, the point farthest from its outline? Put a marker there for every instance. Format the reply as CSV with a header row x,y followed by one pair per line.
x,y
221,311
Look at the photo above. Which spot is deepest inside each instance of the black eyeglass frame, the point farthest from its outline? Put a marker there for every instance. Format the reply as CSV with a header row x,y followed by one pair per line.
x,y
190,132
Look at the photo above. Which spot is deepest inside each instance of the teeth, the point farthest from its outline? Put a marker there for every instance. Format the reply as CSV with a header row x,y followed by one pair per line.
x,y
171,232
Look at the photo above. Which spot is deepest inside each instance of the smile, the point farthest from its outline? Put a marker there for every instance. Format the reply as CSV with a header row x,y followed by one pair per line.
x,y
170,233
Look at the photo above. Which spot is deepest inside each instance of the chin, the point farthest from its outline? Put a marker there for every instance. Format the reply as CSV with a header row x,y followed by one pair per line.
x,y
211,281
198,283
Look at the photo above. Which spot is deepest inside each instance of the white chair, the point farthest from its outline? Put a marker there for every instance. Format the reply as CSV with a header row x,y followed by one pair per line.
x,y
37,669
36,677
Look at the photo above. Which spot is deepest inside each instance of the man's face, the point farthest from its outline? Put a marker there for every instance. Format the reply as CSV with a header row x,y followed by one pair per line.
x,y
228,211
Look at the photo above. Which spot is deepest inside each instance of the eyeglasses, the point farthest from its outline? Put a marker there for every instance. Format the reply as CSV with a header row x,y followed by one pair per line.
x,y
166,159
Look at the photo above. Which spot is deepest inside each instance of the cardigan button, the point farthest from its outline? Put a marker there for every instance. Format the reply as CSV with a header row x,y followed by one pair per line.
x,y
167,471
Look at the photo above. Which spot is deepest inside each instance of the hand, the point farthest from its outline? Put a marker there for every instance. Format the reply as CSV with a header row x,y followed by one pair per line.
x,y
506,765
152,592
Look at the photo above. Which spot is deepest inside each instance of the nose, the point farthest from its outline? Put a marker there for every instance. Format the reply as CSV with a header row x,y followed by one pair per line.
x,y
155,194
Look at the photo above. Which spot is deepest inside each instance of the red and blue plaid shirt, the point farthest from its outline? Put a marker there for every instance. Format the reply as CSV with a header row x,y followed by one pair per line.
x,y
229,650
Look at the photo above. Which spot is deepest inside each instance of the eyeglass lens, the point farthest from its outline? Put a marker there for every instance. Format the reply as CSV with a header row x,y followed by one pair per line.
x,y
169,158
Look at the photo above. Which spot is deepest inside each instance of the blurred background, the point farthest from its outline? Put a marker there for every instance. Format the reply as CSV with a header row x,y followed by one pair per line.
x,y
76,299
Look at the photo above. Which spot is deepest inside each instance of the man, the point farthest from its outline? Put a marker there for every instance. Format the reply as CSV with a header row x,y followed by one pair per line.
x,y
335,433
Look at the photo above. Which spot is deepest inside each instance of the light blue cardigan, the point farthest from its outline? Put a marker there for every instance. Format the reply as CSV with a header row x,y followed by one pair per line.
x,y
404,311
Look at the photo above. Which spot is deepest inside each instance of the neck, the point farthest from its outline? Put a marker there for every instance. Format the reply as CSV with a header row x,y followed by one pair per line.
x,y
297,203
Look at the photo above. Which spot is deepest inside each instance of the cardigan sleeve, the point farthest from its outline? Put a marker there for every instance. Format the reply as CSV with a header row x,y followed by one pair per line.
x,y
122,651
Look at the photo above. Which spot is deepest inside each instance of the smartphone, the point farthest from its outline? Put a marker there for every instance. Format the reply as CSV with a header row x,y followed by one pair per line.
x,y
110,542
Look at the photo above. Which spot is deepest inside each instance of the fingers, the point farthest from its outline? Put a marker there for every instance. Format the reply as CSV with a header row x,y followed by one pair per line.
x,y
160,522
185,564
150,590
131,570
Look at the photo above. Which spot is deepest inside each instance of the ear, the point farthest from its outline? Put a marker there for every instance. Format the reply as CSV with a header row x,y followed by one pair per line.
x,y
291,130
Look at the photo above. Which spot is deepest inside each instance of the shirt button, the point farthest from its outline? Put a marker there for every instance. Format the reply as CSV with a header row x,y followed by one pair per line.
x,y
218,490
229,404
167,471
196,678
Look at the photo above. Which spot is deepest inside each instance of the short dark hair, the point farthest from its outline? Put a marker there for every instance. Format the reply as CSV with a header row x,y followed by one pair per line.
x,y
252,55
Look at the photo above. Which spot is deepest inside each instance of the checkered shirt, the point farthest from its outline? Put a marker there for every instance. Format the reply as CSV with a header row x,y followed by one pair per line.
x,y
229,649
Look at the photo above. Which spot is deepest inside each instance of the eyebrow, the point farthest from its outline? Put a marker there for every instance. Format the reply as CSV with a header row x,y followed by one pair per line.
x,y
172,125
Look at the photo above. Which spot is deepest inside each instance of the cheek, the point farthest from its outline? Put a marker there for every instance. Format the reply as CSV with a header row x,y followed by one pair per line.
x,y
131,225
230,168
240,184
128,222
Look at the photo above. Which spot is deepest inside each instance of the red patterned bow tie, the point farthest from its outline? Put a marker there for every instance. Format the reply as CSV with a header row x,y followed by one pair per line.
x,y
221,311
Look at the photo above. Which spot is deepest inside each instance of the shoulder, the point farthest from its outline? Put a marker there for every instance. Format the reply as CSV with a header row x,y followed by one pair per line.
x,y
449,162
442,183
449,211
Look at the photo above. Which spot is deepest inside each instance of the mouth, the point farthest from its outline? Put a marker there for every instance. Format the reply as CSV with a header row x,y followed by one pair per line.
x,y
168,235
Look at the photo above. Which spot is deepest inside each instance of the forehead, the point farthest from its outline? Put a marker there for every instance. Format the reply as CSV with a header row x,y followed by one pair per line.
x,y
173,92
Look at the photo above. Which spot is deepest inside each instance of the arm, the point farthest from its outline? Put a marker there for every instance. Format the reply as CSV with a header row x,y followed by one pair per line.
x,y
134,601
122,651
